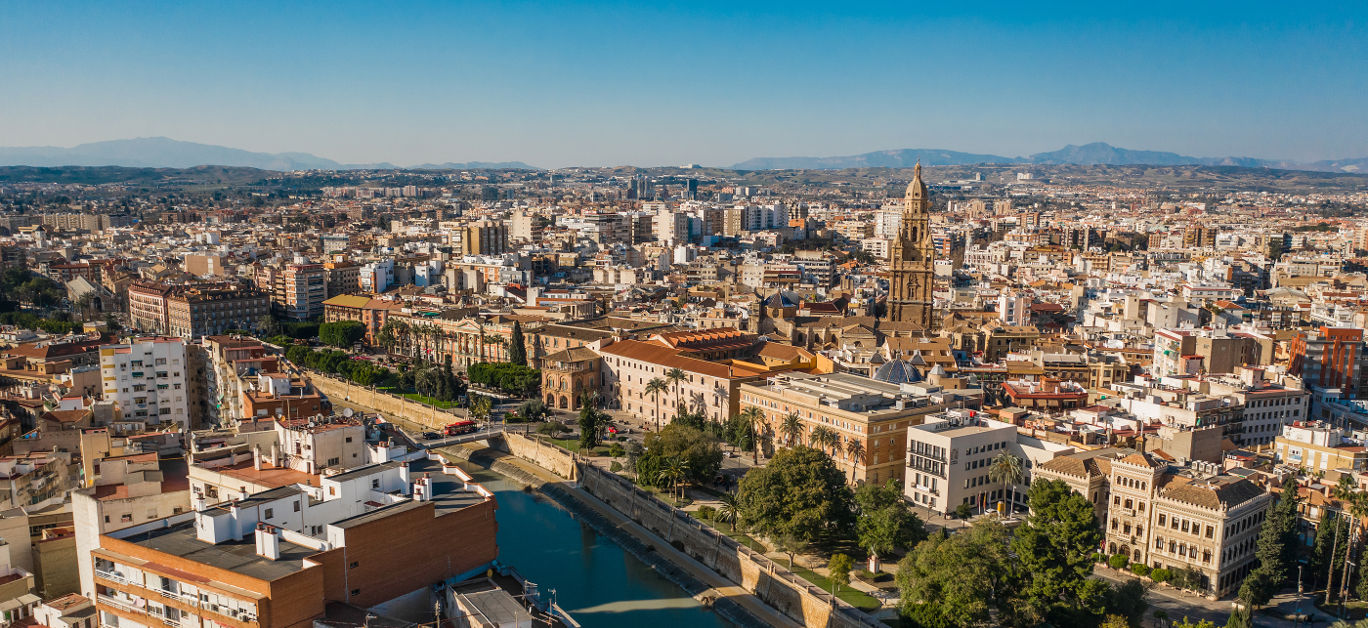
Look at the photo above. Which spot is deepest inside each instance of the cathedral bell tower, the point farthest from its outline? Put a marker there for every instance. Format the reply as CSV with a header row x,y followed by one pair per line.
x,y
910,257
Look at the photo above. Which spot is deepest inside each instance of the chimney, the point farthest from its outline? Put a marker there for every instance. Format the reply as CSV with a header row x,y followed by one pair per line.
x,y
256,457
267,541
236,530
422,489
405,474
275,454
199,503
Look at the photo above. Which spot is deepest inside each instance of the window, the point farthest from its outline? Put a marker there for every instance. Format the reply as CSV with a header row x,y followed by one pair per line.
x,y
1161,518
296,506
353,565
127,518
270,512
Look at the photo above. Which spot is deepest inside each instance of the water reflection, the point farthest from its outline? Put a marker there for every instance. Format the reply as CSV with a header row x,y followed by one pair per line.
x,y
604,586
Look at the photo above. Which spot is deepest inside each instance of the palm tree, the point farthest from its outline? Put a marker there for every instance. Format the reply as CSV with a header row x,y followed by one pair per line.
x,y
1006,468
676,470
792,428
856,451
675,376
729,510
654,388
823,437
752,417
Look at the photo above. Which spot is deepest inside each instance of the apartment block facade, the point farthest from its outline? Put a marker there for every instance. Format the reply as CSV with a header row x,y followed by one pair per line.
x,y
148,379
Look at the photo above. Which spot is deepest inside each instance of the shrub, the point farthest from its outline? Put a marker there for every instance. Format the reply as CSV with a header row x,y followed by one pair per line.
x,y
1140,569
616,450
1118,561
1161,575
707,512
615,467
964,511
551,428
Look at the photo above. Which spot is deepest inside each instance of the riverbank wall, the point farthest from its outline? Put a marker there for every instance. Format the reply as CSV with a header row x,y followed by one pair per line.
x,y
380,401
774,584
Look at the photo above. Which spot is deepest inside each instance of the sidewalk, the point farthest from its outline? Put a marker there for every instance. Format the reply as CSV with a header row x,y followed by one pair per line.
x,y
716,583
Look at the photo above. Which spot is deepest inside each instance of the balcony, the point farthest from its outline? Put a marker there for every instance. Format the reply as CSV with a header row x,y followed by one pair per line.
x,y
117,603
112,576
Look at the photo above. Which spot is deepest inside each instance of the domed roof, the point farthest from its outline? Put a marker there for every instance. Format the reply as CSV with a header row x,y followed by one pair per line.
x,y
898,372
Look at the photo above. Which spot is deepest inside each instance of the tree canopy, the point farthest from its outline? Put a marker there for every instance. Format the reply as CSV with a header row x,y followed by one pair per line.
x,y
700,453
1057,546
884,523
800,493
341,334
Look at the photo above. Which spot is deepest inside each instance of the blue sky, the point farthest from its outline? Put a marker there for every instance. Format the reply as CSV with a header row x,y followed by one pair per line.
x,y
564,83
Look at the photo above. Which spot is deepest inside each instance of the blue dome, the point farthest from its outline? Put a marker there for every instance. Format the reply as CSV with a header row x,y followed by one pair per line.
x,y
898,372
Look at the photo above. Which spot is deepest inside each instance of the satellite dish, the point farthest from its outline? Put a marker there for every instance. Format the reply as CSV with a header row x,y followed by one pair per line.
x,y
348,412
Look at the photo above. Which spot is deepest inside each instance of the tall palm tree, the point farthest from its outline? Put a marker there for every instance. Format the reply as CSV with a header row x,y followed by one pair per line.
x,y
823,437
729,509
792,428
654,388
855,450
752,417
675,376
1006,468
676,470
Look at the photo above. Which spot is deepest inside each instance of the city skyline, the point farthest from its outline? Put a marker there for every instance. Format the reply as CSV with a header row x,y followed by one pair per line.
x,y
600,84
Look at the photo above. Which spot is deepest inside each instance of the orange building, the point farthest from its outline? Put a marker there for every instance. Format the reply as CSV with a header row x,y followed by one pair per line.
x,y
278,558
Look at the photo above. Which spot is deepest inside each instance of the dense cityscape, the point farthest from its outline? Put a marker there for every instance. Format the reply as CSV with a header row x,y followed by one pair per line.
x,y
845,397
579,314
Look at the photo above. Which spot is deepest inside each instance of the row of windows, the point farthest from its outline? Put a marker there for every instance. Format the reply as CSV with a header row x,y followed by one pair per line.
x,y
1186,526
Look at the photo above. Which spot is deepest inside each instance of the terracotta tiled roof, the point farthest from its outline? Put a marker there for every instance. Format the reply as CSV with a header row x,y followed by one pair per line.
x,y
670,358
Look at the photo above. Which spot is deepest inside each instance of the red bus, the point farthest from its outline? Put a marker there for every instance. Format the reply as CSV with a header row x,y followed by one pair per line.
x,y
459,427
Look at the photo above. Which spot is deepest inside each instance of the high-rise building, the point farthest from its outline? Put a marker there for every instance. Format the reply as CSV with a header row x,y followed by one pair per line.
x,y
148,381
910,259
484,237
1332,357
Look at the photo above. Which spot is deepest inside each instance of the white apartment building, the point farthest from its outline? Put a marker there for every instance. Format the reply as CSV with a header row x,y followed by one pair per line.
x,y
148,380
948,459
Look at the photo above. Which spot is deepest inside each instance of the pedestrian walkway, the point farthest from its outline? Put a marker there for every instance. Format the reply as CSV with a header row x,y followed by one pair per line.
x,y
712,579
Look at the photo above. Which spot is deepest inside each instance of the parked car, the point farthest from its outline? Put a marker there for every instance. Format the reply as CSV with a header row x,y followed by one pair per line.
x,y
431,436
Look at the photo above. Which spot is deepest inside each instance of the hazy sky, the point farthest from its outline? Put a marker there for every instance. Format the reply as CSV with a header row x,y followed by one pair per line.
x,y
566,83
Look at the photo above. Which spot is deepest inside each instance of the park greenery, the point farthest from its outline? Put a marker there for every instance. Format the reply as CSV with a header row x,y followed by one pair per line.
x,y
513,379
434,382
799,499
27,320
1039,574
23,287
341,334
678,454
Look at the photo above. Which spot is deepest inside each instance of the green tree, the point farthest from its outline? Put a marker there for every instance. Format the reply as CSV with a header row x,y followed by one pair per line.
x,y
341,334
800,492
676,376
590,420
517,345
1006,469
480,407
792,429
855,450
752,417
962,579
1276,550
1056,547
701,454
884,523
728,509
839,569
1127,600
654,388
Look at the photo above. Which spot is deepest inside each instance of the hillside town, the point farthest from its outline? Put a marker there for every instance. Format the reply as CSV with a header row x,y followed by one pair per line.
x,y
272,404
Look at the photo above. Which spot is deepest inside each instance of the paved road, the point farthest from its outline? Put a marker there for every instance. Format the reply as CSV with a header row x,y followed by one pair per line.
x,y
1177,605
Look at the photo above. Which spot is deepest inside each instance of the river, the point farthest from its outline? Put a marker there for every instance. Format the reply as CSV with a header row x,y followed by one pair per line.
x,y
596,581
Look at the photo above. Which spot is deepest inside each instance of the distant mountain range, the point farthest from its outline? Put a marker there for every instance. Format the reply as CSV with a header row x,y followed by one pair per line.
x,y
1096,153
162,152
